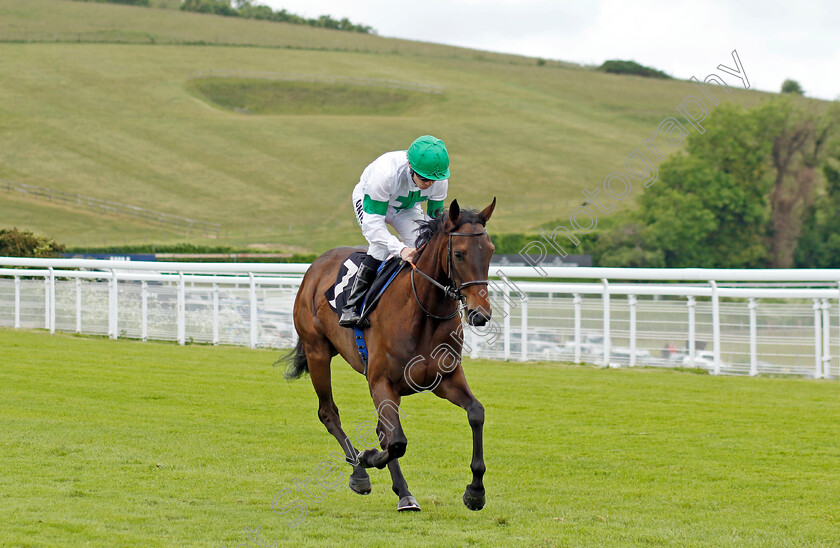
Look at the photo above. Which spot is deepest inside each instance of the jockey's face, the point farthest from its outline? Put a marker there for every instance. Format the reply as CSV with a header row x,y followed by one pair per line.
x,y
421,183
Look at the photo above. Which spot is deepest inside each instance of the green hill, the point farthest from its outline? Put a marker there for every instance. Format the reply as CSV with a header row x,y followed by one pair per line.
x,y
140,106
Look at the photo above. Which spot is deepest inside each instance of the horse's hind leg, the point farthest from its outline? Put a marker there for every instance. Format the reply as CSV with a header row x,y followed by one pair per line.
x,y
391,435
393,442
318,357
407,501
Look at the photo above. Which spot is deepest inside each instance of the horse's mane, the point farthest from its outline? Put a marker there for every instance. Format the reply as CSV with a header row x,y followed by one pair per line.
x,y
431,228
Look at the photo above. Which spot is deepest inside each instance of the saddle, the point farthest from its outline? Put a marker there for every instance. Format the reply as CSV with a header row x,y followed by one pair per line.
x,y
339,292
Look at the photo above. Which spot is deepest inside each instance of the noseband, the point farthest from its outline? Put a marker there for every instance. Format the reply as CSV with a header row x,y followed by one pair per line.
x,y
453,291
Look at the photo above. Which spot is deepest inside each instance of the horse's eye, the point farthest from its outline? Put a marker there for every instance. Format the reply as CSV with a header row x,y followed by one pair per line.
x,y
459,255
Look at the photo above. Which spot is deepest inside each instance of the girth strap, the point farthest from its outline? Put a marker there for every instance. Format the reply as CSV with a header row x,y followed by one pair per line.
x,y
362,346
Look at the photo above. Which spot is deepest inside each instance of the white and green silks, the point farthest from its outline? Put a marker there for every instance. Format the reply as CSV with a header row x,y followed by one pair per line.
x,y
387,195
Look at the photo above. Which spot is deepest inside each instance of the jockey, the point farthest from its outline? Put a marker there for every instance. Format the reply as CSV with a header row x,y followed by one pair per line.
x,y
390,192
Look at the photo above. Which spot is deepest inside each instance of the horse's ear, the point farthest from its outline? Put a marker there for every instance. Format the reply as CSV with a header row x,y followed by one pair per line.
x,y
454,211
488,211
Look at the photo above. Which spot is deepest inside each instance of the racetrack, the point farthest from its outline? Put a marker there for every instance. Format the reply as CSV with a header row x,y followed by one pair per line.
x,y
122,443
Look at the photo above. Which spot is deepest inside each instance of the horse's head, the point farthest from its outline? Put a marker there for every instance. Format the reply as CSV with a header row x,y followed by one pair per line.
x,y
466,259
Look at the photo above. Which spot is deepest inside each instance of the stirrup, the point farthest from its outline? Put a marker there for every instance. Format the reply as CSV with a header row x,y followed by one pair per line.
x,y
351,321
358,321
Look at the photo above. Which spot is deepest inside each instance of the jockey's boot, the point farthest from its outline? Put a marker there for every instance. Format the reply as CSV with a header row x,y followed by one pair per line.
x,y
350,313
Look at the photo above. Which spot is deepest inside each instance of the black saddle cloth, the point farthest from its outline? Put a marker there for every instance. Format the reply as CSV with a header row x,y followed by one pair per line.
x,y
339,292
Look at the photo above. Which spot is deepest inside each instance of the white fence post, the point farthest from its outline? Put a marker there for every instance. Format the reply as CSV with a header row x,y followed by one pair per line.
x,y
692,337
46,302
78,305
182,309
470,335
215,314
524,353
605,296
631,299
506,310
577,301
17,302
52,301
817,340
753,338
715,327
253,299
144,311
112,306
826,336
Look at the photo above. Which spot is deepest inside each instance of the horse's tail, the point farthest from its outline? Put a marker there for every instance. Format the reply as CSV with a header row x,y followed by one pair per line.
x,y
296,358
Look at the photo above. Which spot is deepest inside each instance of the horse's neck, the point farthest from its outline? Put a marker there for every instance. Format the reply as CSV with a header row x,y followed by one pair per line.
x,y
430,262
419,332
431,296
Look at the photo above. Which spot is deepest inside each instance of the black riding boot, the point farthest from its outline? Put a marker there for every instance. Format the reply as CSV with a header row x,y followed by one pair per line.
x,y
350,313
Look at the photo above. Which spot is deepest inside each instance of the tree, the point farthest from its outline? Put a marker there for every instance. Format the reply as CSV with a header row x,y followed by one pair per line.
x,y
792,86
703,215
800,139
23,243
618,66
217,7
819,245
623,241
738,196
250,10
708,207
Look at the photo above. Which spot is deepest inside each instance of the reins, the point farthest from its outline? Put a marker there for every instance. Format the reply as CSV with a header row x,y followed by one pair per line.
x,y
453,291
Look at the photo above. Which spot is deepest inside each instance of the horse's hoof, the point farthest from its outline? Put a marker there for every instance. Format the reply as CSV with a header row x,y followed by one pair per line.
x,y
360,485
365,458
474,498
408,504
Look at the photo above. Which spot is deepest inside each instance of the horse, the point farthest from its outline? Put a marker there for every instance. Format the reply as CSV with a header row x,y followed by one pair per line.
x,y
414,341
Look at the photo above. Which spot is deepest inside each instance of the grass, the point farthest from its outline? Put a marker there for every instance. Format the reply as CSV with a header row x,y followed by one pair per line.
x,y
126,443
69,21
256,96
103,109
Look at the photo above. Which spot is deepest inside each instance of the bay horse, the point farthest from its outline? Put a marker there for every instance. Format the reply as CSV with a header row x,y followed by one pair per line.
x,y
414,341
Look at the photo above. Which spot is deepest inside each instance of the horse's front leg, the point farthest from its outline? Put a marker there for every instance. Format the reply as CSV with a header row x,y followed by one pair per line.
x,y
455,389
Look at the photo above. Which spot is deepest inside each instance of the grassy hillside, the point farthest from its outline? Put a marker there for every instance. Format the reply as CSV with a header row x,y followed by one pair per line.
x,y
96,99
152,444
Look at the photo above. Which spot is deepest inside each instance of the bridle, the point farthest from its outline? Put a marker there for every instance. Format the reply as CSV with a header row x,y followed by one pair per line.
x,y
453,291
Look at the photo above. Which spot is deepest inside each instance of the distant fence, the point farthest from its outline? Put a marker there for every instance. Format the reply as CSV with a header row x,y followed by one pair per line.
x,y
322,79
103,206
737,322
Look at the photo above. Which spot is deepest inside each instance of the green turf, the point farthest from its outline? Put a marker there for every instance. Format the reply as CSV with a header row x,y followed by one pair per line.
x,y
67,21
260,96
122,443
117,121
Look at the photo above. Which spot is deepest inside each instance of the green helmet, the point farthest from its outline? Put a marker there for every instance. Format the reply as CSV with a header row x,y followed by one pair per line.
x,y
428,157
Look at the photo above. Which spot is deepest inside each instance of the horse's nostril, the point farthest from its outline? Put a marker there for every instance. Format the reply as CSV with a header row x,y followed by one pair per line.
x,y
477,318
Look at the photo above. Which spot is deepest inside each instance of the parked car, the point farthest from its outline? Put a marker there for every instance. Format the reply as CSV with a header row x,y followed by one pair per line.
x,y
593,338
537,349
586,349
704,358
678,357
623,354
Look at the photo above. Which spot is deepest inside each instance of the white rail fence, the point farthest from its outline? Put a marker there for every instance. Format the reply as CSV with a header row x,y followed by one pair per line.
x,y
745,322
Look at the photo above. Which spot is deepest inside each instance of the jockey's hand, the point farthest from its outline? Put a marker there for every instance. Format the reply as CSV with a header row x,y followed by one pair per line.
x,y
407,254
